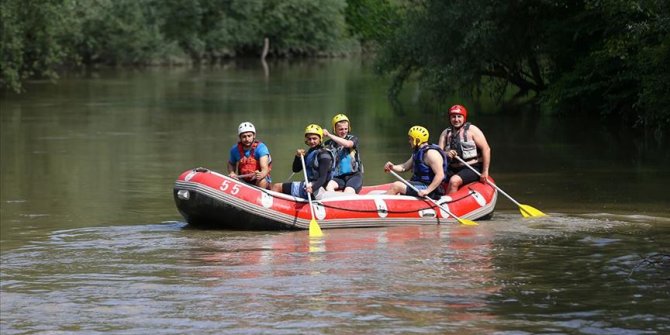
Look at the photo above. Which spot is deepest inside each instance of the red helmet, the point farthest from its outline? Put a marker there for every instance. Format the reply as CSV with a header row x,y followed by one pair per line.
x,y
458,109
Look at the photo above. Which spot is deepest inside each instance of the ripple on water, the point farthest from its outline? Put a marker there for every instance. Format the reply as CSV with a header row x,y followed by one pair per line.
x,y
505,275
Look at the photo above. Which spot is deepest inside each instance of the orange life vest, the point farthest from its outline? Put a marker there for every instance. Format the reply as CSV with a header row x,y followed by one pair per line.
x,y
250,164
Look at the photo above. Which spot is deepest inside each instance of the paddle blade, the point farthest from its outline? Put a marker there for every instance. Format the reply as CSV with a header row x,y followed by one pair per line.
x,y
314,229
529,211
467,222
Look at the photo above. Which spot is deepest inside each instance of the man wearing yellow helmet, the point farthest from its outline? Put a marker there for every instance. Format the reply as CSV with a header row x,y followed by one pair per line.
x,y
318,163
468,142
428,164
348,174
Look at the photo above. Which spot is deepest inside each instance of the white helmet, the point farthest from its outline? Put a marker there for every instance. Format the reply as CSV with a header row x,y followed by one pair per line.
x,y
246,127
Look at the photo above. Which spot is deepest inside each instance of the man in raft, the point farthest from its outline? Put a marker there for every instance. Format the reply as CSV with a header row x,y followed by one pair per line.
x,y
428,164
348,174
468,142
319,164
250,159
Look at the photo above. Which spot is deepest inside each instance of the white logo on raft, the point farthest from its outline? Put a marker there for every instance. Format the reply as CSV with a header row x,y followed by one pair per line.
x,y
427,213
190,175
382,210
266,200
479,198
444,202
319,211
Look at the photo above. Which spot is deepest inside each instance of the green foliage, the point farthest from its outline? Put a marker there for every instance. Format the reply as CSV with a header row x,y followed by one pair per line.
x,y
606,57
458,46
118,32
619,66
41,37
303,27
372,21
32,39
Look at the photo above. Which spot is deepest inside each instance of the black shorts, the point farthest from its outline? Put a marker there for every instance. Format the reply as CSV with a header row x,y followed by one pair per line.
x,y
465,173
354,181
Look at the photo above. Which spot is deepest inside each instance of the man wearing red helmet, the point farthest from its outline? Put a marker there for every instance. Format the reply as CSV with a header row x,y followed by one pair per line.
x,y
468,142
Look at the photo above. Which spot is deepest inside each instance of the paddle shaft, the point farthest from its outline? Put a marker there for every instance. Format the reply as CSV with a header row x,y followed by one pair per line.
x,y
290,177
427,197
309,196
314,229
488,181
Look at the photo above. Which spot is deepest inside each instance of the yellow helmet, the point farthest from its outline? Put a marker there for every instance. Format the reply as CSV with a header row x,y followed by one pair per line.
x,y
314,129
418,134
340,117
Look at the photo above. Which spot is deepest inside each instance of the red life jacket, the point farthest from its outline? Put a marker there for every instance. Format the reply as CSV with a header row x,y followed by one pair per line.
x,y
250,164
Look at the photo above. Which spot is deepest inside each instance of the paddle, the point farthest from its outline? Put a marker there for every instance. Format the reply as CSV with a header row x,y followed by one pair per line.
x,y
526,210
289,177
462,221
242,176
314,229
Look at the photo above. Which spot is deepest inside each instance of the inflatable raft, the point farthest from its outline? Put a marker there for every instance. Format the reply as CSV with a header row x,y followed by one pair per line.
x,y
209,199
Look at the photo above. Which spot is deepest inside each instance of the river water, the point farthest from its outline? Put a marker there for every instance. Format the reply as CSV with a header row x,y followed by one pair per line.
x,y
92,243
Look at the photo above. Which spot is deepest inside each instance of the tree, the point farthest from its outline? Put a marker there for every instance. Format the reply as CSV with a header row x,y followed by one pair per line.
x,y
33,43
606,57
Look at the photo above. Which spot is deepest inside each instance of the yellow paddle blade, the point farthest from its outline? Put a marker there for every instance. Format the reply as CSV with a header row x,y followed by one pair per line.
x,y
467,222
314,229
529,211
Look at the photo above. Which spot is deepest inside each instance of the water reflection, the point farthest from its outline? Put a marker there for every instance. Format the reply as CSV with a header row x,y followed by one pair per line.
x,y
416,276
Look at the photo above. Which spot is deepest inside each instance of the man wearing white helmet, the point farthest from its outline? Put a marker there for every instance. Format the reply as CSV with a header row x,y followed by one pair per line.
x,y
250,159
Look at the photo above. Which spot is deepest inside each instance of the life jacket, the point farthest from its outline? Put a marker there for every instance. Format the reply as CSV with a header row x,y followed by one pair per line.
x,y
348,160
464,144
422,172
312,163
249,164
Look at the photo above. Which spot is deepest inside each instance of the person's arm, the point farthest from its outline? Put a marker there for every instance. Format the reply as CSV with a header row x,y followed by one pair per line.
x,y
443,139
339,140
232,163
265,167
406,166
483,146
231,169
325,162
443,143
297,163
434,159
263,160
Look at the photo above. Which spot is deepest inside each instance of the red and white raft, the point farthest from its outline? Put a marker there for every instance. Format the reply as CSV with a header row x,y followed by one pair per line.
x,y
209,199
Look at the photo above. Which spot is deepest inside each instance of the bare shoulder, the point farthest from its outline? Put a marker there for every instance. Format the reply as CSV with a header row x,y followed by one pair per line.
x,y
433,156
476,131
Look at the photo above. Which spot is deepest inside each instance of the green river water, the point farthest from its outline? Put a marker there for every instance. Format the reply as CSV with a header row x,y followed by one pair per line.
x,y
91,241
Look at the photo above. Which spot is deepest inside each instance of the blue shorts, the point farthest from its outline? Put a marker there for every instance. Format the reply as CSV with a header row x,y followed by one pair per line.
x,y
436,194
297,189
